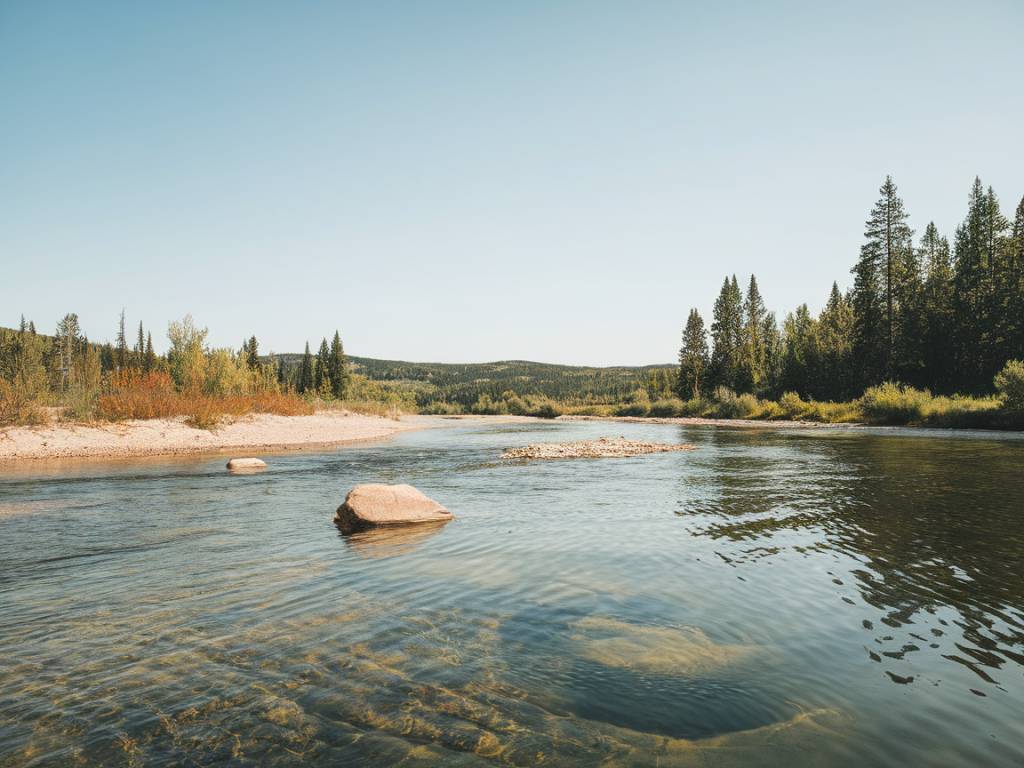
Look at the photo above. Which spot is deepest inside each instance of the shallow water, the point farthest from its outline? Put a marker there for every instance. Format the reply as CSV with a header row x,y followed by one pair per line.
x,y
774,598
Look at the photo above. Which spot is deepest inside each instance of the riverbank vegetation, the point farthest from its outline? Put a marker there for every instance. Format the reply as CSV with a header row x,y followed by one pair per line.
x,y
68,377
928,334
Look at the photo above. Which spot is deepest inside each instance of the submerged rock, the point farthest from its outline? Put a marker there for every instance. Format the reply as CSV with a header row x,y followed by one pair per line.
x,y
235,464
605,447
682,651
375,504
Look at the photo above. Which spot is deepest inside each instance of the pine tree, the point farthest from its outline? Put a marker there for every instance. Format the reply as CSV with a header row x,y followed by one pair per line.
x,y
139,352
107,362
877,275
727,335
751,368
149,360
282,375
800,355
835,334
322,372
338,368
975,258
121,345
1015,281
937,311
252,358
305,382
693,357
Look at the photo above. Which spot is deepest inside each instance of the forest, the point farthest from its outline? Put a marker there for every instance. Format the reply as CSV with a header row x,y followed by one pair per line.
x,y
929,333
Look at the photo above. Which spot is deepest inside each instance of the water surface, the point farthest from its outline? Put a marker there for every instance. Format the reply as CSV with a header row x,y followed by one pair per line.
x,y
783,597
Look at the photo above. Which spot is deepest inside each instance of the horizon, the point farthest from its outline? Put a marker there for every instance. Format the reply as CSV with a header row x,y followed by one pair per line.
x,y
464,184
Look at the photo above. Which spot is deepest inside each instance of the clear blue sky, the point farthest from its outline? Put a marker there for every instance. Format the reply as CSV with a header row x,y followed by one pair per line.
x,y
556,181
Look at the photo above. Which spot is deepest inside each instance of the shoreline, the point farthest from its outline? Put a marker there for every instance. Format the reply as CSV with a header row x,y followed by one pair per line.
x,y
268,434
700,421
256,433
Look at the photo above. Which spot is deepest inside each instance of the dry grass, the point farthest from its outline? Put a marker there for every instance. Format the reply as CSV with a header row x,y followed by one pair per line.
x,y
152,396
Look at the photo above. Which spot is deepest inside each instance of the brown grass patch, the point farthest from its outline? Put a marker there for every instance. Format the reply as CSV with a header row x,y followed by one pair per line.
x,y
152,396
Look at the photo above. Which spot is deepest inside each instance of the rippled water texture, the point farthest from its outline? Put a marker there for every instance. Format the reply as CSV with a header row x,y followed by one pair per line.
x,y
772,598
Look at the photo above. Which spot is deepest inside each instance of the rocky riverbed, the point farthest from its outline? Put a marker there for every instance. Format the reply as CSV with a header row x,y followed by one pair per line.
x,y
602,448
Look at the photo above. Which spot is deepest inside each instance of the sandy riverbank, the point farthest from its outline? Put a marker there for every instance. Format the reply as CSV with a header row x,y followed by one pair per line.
x,y
167,437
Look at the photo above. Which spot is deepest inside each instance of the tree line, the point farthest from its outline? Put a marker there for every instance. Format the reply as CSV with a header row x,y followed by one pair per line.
x,y
921,313
42,367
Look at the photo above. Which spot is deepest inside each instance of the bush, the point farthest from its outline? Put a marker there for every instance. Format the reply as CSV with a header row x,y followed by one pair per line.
x,y
697,406
638,408
80,403
792,406
667,408
1010,385
546,411
892,403
729,405
17,408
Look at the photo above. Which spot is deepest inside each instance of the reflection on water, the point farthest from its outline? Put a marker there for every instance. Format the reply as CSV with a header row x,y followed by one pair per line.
x,y
390,541
824,598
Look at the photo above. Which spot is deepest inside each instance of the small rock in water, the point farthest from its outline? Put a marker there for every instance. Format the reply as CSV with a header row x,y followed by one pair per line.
x,y
375,504
236,464
605,447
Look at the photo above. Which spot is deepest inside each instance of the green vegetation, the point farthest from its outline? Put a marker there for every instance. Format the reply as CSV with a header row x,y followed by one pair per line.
x,y
66,376
922,337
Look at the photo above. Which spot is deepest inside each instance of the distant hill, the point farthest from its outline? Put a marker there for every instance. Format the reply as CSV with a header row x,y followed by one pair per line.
x,y
465,382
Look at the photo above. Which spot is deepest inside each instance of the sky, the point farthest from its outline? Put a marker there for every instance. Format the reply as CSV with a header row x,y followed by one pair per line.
x,y
475,181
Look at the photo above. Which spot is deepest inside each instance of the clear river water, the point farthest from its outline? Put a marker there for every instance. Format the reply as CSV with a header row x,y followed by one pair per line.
x,y
776,597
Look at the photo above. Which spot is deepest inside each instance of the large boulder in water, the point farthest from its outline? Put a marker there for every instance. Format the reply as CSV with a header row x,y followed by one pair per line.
x,y
375,504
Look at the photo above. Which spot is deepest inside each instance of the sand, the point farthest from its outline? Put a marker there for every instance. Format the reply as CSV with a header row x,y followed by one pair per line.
x,y
166,437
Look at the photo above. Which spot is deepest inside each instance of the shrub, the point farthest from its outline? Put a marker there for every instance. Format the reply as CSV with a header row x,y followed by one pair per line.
x,y
17,408
667,408
546,411
892,403
697,406
834,413
80,403
792,406
637,408
733,406
1010,385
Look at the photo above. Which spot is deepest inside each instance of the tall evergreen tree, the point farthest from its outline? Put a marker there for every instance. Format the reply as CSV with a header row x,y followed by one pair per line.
x,y
252,357
727,335
338,368
751,372
1015,280
139,351
937,310
693,357
835,334
322,376
305,381
877,277
121,346
800,359
975,258
149,357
